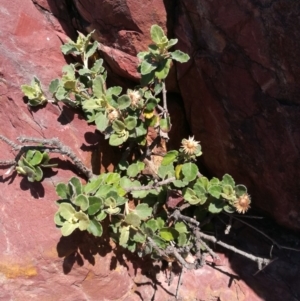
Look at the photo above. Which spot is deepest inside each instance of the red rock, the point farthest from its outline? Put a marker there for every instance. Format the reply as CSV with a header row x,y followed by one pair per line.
x,y
35,264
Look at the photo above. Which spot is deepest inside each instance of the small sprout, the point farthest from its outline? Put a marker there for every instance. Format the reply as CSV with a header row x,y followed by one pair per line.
x,y
190,146
34,93
242,204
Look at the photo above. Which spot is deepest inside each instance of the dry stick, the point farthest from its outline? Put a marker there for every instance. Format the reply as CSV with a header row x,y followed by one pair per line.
x,y
62,149
178,284
149,187
9,142
260,260
165,111
264,234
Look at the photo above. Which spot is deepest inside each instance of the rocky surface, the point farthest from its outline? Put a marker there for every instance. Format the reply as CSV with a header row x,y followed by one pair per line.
x,y
35,262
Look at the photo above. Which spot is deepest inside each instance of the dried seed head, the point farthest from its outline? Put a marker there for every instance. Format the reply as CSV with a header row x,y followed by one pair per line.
x,y
112,115
134,97
190,146
242,204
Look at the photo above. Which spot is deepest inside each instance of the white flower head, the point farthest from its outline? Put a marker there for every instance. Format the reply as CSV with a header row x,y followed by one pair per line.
x,y
190,146
242,204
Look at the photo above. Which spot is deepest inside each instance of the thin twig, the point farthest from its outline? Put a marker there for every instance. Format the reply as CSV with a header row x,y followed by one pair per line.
x,y
62,149
9,142
264,234
178,284
149,187
260,260
178,216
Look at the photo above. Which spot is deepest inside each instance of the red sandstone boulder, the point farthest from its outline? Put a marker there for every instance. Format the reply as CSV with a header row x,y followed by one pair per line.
x,y
35,262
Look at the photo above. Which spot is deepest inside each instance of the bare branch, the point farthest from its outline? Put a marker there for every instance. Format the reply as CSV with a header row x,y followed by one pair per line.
x,y
260,260
149,187
60,148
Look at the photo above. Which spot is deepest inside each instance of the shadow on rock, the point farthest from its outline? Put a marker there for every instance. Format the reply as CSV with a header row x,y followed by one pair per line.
x,y
81,246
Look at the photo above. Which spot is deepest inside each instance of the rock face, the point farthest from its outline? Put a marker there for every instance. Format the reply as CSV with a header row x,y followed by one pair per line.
x,y
35,262
241,95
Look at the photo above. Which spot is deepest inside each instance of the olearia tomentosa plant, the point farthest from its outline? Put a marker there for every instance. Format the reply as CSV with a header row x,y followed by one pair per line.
x,y
155,213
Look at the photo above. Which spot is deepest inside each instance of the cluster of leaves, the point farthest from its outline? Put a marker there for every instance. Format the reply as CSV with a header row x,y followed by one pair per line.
x,y
31,164
34,93
136,204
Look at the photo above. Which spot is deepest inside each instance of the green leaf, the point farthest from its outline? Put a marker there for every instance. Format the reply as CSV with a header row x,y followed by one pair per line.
x,y
101,121
58,219
143,211
182,240
215,190
112,178
98,86
170,157
229,209
158,88
68,228
132,219
147,67
101,216
60,93
130,122
160,222
157,34
180,184
77,185
204,182
190,196
95,228
116,140
82,201
53,85
228,192
135,168
38,174
181,227
118,126
92,104
62,191
163,69
113,91
93,185
151,104
110,202
240,190
228,180
168,234
171,43
103,191
179,56
123,102
36,159
45,158
95,203
113,211
159,242
66,210
152,224
166,171
28,91
165,124
216,206
98,66
139,237
83,220
190,171
91,49
124,236
68,48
